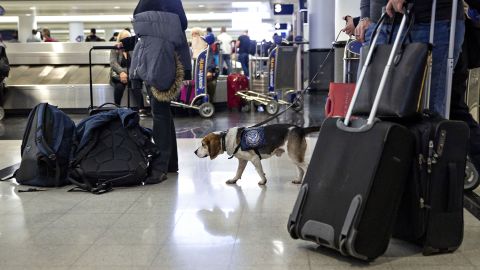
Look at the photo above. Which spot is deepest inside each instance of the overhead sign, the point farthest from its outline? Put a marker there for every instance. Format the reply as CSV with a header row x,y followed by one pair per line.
x,y
283,9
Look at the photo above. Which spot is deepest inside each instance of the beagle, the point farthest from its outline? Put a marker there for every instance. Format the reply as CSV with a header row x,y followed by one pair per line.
x,y
276,140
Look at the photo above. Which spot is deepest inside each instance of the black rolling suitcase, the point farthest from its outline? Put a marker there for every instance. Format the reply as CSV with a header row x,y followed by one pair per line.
x,y
109,105
354,183
431,212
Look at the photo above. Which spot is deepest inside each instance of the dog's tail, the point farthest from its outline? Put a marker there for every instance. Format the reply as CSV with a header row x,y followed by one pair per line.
x,y
308,130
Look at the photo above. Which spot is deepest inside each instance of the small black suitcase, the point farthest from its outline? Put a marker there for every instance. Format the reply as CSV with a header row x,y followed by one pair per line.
x,y
431,212
354,183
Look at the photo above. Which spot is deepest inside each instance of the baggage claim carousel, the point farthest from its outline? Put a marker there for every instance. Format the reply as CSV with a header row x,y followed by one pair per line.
x,y
58,73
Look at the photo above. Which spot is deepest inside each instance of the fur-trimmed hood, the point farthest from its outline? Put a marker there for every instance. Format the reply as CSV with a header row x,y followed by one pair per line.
x,y
161,52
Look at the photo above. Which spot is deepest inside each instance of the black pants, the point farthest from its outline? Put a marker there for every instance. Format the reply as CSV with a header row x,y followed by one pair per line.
x,y
460,110
136,90
164,136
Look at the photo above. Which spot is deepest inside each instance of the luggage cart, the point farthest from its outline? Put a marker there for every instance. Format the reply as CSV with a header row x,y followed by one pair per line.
x,y
201,101
281,81
351,60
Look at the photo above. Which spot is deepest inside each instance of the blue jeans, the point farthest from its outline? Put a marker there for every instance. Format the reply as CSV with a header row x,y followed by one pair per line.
x,y
420,33
227,60
243,58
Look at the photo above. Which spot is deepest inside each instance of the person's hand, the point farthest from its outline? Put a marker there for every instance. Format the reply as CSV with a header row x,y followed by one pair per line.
x,y
119,45
349,26
124,77
362,28
395,6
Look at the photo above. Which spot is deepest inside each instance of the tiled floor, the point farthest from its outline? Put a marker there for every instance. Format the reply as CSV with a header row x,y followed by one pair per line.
x,y
191,221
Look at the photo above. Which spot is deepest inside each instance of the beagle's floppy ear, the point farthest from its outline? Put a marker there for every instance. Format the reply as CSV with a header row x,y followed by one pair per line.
x,y
214,145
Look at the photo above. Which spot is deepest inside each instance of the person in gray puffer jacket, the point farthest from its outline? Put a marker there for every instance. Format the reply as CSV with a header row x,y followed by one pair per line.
x,y
161,58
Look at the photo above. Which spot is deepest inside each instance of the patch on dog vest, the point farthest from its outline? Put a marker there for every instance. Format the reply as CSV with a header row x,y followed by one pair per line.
x,y
252,138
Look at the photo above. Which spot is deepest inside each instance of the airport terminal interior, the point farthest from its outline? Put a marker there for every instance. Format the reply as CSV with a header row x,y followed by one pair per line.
x,y
59,52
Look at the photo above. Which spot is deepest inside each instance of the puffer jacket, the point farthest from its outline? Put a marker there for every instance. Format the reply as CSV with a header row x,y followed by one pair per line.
x,y
161,41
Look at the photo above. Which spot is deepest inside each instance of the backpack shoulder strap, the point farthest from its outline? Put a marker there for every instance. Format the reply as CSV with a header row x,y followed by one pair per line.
x,y
39,135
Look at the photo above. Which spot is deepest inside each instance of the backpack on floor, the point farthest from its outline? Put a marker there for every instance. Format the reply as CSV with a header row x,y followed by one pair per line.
x,y
46,148
113,151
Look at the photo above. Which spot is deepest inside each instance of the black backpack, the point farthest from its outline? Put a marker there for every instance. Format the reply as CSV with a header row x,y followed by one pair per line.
x,y
46,148
115,156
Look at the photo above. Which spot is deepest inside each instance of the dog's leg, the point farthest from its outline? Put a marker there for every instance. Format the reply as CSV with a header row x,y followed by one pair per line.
x,y
241,167
258,166
301,168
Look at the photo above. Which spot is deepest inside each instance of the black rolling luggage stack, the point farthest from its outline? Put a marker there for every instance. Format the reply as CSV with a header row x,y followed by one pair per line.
x,y
353,186
431,212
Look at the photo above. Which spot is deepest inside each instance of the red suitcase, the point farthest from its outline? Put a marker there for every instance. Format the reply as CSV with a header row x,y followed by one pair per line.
x,y
339,97
235,83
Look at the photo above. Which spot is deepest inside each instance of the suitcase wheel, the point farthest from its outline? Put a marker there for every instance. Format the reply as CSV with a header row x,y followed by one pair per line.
x,y
472,180
292,231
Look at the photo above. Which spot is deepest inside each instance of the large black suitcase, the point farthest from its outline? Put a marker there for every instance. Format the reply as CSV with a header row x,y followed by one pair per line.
x,y
431,212
354,183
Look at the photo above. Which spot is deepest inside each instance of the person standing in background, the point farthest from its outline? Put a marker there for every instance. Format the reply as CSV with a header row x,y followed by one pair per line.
x,y
93,36
163,65
243,47
198,42
225,49
114,37
46,36
34,37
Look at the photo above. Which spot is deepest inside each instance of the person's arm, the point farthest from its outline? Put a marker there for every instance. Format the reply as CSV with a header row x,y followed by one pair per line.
x,y
178,9
114,63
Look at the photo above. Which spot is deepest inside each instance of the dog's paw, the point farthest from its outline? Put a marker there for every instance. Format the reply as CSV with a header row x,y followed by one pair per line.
x,y
262,183
296,182
231,182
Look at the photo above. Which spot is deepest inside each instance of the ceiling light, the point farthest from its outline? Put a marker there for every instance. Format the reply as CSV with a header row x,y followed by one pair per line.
x,y
74,7
116,7
201,6
28,14
32,8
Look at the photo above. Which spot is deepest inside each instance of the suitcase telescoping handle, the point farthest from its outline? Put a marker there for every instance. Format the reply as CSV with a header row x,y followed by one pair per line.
x,y
90,67
386,72
450,59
